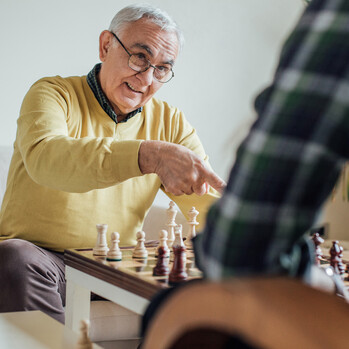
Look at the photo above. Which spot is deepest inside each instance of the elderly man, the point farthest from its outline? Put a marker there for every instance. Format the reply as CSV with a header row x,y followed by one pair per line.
x,y
96,149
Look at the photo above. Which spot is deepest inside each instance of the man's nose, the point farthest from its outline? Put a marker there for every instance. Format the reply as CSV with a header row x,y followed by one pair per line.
x,y
147,76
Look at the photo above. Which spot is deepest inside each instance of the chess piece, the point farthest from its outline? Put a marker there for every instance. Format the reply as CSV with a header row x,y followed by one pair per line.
x,y
178,235
114,254
178,273
341,266
178,240
163,244
101,248
193,213
161,268
318,240
336,257
140,251
171,213
84,341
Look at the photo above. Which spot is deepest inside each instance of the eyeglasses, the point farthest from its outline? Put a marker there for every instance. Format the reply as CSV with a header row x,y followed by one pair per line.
x,y
139,63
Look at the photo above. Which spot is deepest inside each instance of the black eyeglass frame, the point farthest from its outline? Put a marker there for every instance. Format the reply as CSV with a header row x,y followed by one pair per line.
x,y
149,64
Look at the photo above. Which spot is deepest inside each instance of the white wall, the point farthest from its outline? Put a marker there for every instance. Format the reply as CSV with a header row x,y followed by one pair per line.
x,y
230,52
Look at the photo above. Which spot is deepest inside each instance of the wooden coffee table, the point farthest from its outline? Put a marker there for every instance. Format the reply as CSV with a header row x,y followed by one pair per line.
x,y
129,283
35,330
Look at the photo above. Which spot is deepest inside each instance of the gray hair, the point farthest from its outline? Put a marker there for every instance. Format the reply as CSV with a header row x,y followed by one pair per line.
x,y
135,12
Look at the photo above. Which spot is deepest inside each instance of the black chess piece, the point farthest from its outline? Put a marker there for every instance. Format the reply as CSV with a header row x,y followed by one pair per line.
x,y
161,268
178,273
341,266
318,240
336,253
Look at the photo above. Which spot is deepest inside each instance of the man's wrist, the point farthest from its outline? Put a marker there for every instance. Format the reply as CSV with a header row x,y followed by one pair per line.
x,y
148,156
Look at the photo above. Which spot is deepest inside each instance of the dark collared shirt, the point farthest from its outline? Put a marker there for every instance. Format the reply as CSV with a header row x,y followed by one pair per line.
x,y
92,80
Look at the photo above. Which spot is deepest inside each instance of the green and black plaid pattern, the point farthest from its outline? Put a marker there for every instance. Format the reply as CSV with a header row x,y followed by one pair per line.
x,y
289,163
101,97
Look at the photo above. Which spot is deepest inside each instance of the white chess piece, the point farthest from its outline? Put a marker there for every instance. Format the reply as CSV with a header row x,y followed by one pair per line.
x,y
140,251
163,244
114,254
171,215
193,213
101,248
178,241
84,341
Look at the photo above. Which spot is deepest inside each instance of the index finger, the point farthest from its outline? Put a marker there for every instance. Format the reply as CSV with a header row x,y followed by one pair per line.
x,y
215,181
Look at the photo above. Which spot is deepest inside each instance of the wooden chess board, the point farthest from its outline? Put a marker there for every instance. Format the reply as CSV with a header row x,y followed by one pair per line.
x,y
132,274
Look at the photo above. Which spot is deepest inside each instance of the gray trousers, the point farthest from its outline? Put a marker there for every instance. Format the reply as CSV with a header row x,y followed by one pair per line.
x,y
31,278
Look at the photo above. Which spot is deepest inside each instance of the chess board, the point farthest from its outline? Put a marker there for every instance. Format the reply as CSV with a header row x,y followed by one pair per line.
x,y
132,274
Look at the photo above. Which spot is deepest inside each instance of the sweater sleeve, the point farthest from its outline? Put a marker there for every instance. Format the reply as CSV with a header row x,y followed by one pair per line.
x,y
54,158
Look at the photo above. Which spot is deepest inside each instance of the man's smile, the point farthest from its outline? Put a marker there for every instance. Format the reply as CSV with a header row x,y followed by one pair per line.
x,y
132,88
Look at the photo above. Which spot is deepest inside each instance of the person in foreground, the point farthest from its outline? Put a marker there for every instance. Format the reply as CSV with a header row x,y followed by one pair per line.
x,y
289,162
96,149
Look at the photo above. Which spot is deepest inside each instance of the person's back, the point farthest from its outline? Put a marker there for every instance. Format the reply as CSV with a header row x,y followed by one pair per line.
x,y
287,165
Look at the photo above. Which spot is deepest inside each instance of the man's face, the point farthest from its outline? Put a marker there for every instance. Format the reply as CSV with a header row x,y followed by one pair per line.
x,y
125,88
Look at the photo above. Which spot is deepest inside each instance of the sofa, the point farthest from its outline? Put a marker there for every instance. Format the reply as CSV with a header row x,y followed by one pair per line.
x,y
111,325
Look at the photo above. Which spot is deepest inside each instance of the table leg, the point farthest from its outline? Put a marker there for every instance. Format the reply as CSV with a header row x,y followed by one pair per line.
x,y
77,305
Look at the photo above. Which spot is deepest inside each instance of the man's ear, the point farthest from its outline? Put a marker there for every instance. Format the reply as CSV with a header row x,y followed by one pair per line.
x,y
104,44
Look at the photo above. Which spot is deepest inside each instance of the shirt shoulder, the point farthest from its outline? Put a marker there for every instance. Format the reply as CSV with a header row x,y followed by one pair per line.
x,y
162,113
157,107
68,97
68,84
169,121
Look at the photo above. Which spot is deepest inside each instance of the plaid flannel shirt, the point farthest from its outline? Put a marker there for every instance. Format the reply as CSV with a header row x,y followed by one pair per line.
x,y
290,161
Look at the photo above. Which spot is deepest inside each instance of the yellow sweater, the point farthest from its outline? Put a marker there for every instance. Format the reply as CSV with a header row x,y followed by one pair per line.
x,y
73,167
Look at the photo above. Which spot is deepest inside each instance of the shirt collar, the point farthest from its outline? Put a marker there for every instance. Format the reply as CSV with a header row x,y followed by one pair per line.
x,y
101,97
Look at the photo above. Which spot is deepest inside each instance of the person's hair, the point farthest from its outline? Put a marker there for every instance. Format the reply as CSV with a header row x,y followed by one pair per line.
x,y
157,16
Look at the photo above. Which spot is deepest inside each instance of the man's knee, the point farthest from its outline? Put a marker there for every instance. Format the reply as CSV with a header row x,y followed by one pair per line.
x,y
29,280
15,258
15,253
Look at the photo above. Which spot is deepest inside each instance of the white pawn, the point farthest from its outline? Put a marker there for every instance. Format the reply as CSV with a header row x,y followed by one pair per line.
x,y
114,254
101,248
163,244
171,215
140,251
84,341
193,213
